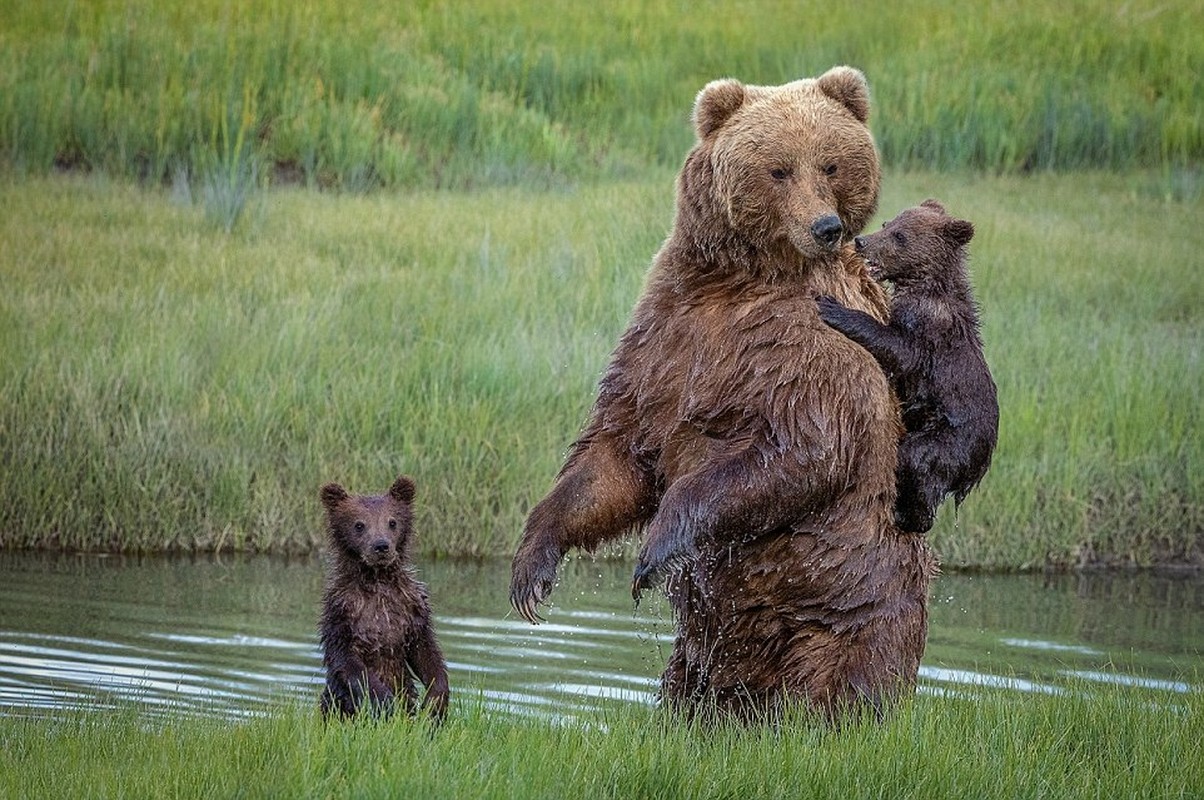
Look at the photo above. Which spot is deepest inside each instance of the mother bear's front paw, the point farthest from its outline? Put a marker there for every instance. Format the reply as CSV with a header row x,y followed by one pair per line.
x,y
533,574
646,576
657,558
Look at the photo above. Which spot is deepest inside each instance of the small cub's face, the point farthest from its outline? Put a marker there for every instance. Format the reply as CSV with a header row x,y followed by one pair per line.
x,y
921,243
374,529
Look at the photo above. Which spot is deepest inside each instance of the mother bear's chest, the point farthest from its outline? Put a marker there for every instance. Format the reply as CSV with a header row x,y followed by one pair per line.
x,y
707,378
710,365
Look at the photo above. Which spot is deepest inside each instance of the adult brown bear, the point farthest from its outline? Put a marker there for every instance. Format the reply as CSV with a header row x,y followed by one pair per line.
x,y
754,445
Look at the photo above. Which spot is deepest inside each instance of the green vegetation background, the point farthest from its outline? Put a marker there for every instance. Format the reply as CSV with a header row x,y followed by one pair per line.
x,y
357,94
498,176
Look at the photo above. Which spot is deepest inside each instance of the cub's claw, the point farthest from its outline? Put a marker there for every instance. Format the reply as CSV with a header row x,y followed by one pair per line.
x,y
828,308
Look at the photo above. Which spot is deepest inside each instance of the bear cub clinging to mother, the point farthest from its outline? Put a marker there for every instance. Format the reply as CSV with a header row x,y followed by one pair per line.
x,y
376,629
932,353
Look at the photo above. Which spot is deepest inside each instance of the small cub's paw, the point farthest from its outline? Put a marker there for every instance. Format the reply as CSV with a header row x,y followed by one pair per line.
x,y
829,308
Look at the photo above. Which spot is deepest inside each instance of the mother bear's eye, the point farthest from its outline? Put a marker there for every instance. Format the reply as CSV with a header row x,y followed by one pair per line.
x,y
780,174
830,170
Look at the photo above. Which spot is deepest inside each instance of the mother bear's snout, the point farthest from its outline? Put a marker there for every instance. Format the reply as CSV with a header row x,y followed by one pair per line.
x,y
827,230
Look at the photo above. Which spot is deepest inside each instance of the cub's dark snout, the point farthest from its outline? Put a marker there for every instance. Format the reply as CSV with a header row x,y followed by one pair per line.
x,y
827,230
858,243
380,546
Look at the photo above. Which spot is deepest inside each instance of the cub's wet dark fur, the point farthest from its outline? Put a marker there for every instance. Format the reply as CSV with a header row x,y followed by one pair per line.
x,y
376,629
932,352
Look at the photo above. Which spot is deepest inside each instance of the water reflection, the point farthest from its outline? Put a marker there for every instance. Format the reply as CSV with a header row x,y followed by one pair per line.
x,y
234,636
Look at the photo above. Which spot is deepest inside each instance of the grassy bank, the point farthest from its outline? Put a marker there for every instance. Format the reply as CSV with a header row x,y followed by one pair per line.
x,y
355,94
1104,744
164,386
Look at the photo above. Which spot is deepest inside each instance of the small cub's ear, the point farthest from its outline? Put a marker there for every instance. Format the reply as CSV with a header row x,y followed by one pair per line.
x,y
848,87
959,231
402,489
715,104
935,205
332,494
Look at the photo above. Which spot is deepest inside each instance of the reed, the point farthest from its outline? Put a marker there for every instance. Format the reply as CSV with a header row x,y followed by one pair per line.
x,y
353,95
1087,743
167,386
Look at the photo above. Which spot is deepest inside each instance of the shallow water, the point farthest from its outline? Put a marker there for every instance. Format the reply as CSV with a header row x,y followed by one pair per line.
x,y
235,636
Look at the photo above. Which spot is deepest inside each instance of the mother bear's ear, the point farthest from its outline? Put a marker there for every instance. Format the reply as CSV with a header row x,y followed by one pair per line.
x,y
848,87
717,101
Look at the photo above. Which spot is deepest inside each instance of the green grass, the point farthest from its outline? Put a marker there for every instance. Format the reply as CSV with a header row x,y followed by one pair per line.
x,y
1106,743
354,94
166,386
181,375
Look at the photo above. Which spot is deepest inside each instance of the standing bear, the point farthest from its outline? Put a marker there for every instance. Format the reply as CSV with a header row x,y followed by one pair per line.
x,y
376,630
754,445
931,351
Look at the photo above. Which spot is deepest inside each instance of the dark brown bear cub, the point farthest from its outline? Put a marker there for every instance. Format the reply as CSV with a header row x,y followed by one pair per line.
x,y
932,353
376,630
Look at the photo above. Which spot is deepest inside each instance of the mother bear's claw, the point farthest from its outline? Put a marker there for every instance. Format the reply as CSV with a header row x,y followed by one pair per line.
x,y
526,606
530,611
644,578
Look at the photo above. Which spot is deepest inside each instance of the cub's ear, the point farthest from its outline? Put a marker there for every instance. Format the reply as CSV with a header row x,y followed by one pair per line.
x,y
959,231
402,489
332,494
848,87
935,205
715,104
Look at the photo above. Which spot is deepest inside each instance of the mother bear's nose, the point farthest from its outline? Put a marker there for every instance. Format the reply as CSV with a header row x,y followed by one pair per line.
x,y
827,230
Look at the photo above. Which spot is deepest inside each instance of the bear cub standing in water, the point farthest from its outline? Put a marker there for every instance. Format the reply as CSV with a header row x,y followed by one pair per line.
x,y
376,630
932,353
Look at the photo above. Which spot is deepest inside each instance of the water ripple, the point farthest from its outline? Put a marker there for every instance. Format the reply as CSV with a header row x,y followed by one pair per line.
x,y
237,638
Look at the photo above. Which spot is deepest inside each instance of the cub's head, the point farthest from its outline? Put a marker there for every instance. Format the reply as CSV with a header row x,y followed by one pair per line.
x,y
920,244
793,164
372,529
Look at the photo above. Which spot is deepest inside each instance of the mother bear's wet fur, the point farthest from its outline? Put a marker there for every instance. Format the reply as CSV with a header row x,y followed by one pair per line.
x,y
753,445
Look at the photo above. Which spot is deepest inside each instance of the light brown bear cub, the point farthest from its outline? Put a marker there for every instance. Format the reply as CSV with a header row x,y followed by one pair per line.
x,y
377,634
